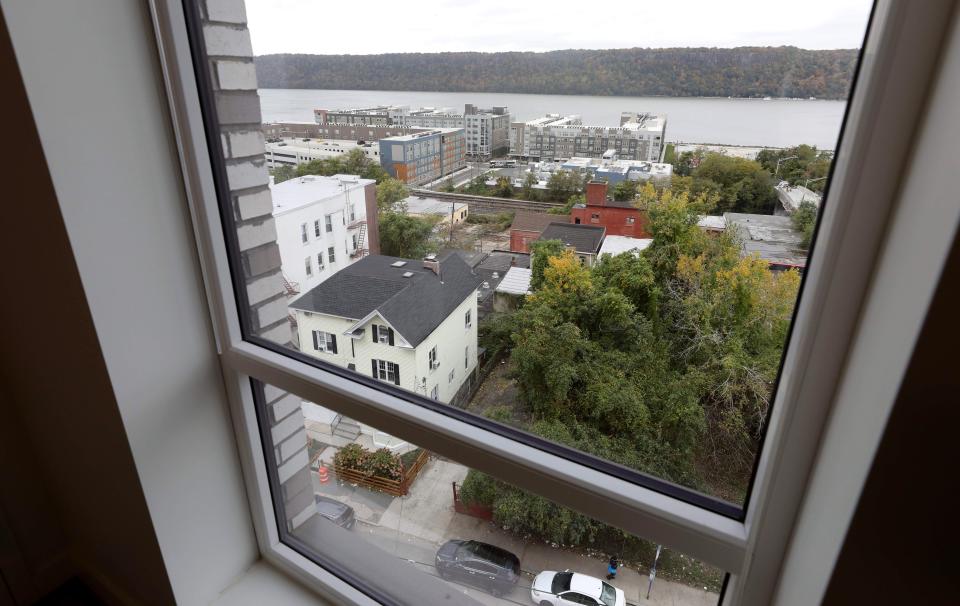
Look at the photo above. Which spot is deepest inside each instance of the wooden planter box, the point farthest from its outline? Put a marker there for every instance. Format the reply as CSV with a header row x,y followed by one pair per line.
x,y
397,488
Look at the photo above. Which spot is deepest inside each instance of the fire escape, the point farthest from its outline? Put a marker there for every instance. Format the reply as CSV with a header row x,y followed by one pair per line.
x,y
360,250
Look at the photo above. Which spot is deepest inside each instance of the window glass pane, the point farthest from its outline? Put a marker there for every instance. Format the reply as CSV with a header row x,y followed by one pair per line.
x,y
615,237
436,520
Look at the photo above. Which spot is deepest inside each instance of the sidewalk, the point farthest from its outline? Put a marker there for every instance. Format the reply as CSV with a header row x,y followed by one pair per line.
x,y
414,527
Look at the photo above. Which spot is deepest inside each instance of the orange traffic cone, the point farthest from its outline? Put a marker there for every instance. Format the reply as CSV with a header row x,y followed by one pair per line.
x,y
322,471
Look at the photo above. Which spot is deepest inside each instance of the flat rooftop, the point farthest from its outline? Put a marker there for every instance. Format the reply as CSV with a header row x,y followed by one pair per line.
x,y
420,135
302,191
792,196
516,282
772,237
423,205
617,245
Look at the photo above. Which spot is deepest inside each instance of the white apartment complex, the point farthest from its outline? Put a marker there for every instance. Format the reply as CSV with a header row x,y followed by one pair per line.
x,y
486,130
406,322
291,152
323,225
639,136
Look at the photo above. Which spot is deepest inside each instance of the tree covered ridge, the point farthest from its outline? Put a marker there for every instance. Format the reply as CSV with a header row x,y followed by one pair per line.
x,y
784,71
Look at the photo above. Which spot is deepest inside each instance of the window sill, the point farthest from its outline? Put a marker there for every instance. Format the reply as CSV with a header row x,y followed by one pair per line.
x,y
262,583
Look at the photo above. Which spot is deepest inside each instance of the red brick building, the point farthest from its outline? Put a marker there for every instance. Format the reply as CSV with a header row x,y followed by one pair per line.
x,y
527,227
620,218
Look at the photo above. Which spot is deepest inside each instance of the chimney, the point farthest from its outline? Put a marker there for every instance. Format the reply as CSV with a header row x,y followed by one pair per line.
x,y
430,262
597,193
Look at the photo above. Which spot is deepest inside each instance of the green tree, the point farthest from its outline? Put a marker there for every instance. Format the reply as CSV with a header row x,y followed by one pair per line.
x,y
504,188
527,191
390,195
798,164
540,252
404,236
804,220
567,208
283,173
625,190
563,184
744,185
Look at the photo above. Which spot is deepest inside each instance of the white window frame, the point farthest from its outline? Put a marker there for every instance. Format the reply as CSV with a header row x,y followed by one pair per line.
x,y
304,234
308,267
432,358
388,372
328,223
322,339
897,67
332,254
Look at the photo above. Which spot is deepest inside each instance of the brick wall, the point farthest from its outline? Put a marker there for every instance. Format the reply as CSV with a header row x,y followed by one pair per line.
x,y
238,110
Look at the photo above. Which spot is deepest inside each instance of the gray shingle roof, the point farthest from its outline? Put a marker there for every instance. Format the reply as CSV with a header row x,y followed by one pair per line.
x,y
531,221
414,306
583,238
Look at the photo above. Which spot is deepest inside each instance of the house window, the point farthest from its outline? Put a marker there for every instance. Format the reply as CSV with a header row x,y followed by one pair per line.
x,y
466,319
304,236
386,371
328,220
351,209
466,356
631,220
319,261
316,228
331,255
324,341
435,392
307,267
382,334
432,360
453,371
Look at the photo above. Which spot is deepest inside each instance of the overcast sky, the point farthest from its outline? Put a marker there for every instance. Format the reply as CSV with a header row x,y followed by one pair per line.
x,y
380,26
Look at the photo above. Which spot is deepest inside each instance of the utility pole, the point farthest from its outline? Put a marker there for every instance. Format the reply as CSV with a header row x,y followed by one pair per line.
x,y
803,195
777,172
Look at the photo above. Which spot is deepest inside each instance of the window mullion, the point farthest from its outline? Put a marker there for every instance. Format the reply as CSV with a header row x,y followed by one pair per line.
x,y
695,531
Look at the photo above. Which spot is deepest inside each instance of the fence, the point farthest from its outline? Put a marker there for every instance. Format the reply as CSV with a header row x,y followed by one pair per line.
x,y
397,488
478,511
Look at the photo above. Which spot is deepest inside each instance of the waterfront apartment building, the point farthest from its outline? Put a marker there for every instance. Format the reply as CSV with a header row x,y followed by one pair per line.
x,y
424,157
639,136
291,152
407,322
486,131
346,132
323,225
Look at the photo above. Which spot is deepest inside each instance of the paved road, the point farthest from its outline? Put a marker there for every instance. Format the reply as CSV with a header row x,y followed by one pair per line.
x,y
421,554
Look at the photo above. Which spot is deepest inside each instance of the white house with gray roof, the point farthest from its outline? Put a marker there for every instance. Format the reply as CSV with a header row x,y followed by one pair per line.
x,y
400,321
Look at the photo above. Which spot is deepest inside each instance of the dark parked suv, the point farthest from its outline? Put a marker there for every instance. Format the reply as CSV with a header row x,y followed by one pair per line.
x,y
489,567
339,513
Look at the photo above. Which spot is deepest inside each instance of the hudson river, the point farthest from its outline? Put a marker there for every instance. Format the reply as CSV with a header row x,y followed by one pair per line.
x,y
752,122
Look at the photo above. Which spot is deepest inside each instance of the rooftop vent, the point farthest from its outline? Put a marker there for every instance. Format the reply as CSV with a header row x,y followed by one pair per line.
x,y
398,263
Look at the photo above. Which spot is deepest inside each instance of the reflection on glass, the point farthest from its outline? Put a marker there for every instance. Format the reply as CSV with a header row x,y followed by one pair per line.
x,y
567,265
489,540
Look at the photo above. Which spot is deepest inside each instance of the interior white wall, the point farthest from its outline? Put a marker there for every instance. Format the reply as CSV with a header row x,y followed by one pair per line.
x,y
94,83
919,238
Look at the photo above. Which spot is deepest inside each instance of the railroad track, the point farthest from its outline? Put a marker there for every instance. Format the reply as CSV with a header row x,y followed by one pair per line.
x,y
486,204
